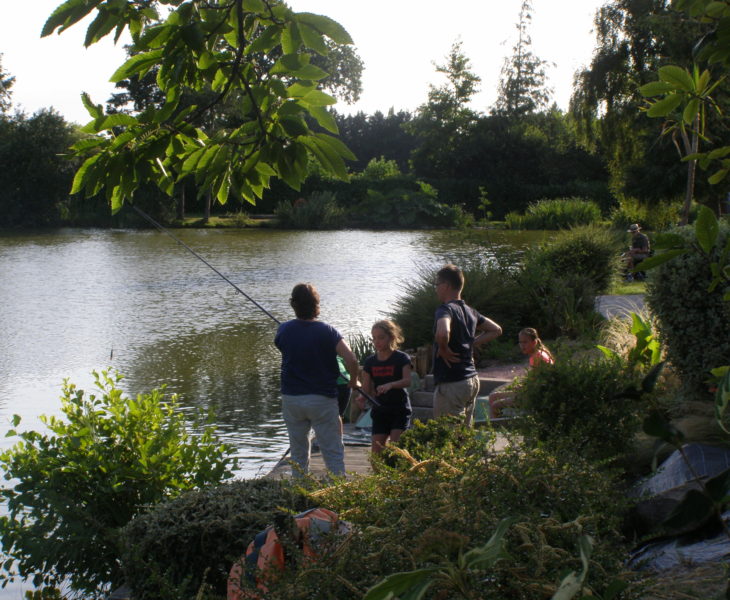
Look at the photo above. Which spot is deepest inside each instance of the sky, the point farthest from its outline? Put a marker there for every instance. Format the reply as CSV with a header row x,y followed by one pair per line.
x,y
398,40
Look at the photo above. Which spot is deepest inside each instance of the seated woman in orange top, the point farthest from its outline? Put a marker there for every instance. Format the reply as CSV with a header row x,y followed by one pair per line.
x,y
532,346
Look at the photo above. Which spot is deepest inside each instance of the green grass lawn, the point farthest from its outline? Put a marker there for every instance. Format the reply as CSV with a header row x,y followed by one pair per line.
x,y
218,221
622,288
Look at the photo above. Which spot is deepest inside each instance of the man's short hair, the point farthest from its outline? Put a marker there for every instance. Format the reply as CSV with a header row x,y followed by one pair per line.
x,y
305,301
452,275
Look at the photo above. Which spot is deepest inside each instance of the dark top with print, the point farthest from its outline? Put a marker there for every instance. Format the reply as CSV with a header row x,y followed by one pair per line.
x,y
386,371
464,323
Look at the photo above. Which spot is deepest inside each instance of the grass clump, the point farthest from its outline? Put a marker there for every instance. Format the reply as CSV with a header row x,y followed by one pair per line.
x,y
490,289
558,213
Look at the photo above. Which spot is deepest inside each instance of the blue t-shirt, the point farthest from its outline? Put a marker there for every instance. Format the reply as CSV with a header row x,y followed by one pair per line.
x,y
464,322
308,357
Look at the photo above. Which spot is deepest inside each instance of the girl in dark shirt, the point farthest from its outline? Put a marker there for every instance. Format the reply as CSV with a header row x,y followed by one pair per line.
x,y
387,375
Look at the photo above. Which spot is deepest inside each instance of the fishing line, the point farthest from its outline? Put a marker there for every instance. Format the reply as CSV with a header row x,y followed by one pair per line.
x,y
144,215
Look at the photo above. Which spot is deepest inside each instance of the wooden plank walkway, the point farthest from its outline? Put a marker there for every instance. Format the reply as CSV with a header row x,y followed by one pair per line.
x,y
357,459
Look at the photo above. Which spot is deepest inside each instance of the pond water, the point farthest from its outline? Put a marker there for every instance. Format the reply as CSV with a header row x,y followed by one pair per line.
x,y
78,300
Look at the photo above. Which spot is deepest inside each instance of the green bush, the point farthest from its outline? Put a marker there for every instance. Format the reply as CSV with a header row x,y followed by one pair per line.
x,y
319,211
576,405
73,488
693,322
404,208
592,251
179,546
657,217
558,213
561,278
380,168
423,505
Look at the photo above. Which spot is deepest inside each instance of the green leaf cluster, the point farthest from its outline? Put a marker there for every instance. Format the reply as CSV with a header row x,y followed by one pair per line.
x,y
413,585
646,351
72,488
222,47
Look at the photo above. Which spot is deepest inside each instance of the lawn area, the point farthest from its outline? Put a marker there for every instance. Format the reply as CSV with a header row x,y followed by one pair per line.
x,y
623,288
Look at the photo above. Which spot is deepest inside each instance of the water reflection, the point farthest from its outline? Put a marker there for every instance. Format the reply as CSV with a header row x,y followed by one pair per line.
x,y
78,300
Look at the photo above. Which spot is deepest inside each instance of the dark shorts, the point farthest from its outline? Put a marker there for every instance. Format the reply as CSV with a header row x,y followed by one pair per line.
x,y
384,421
343,397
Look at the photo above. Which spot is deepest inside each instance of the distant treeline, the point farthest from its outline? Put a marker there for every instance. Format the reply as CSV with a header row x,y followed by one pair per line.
x,y
471,164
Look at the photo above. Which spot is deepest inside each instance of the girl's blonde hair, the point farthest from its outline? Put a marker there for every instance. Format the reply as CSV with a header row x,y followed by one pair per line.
x,y
392,330
531,333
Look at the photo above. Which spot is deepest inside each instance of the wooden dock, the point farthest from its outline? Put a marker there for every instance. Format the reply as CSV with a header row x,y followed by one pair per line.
x,y
357,460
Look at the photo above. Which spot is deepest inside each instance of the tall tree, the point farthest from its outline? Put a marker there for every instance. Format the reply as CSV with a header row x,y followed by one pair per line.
x,y
376,135
35,176
6,82
523,83
633,39
445,116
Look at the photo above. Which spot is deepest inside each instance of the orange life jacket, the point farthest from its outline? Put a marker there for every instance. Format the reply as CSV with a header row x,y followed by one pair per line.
x,y
265,554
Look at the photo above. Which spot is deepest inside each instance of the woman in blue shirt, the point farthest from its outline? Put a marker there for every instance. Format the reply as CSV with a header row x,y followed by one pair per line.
x,y
309,372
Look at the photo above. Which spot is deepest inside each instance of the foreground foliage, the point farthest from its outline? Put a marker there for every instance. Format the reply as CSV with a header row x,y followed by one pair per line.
x,y
257,54
432,504
71,489
188,544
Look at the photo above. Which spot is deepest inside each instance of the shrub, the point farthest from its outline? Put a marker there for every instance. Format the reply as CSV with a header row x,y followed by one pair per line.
x,y
591,251
560,280
380,168
656,217
179,546
319,211
693,322
77,485
403,208
575,405
558,213
412,512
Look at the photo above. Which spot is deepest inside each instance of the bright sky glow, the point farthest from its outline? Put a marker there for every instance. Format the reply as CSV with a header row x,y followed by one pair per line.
x,y
398,40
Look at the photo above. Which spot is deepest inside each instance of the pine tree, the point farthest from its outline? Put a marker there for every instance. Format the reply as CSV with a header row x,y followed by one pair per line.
x,y
446,116
522,87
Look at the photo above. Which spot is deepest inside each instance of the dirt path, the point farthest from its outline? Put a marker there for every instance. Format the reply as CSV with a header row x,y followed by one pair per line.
x,y
610,306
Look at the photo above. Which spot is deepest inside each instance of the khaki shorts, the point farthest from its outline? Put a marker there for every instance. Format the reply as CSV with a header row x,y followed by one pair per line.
x,y
456,398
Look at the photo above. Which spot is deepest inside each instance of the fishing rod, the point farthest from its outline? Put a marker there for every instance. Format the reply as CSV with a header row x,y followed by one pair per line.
x,y
145,216
167,232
